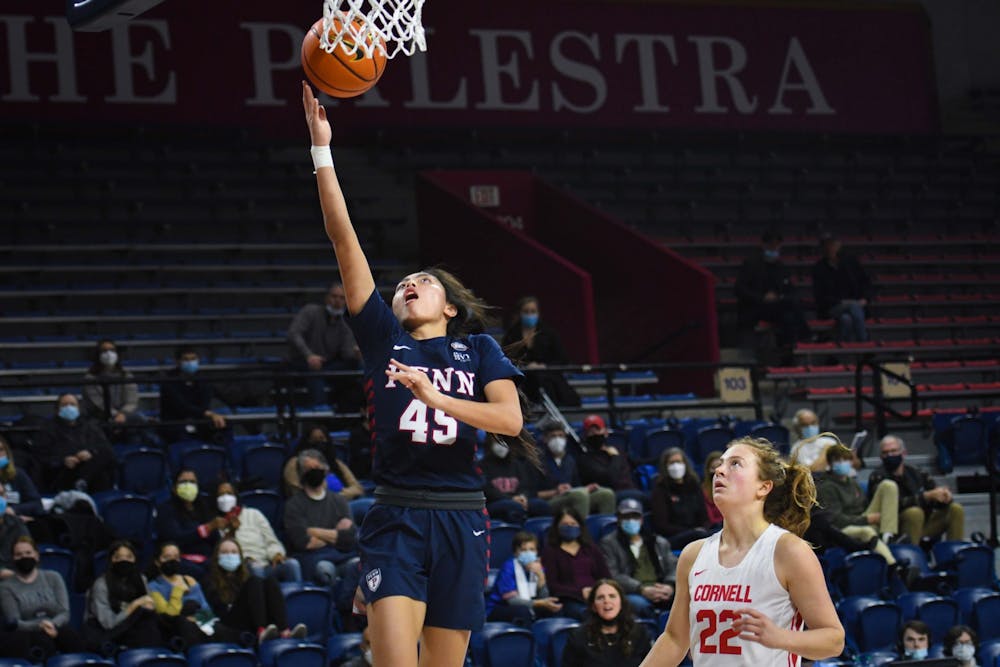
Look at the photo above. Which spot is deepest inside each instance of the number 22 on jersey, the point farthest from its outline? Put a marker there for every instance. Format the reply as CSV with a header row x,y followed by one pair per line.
x,y
414,420
708,644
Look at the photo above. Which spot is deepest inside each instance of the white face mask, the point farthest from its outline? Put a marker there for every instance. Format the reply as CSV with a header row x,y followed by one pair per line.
x,y
500,451
226,502
676,470
368,656
964,652
556,445
109,358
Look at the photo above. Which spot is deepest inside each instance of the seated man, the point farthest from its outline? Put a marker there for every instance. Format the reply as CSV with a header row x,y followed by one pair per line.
x,y
188,399
603,464
925,509
913,642
509,484
73,452
841,290
560,482
640,561
318,523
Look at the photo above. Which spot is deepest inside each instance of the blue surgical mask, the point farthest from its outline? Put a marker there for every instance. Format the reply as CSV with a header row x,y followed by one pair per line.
x,y
229,562
917,654
4,461
527,557
842,468
3,505
631,526
69,412
529,321
189,367
569,533
810,431
772,255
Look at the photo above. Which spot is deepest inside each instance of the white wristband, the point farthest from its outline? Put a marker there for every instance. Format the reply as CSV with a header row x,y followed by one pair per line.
x,y
322,157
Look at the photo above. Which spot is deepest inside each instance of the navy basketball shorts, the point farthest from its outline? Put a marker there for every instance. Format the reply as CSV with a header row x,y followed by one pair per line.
x,y
440,557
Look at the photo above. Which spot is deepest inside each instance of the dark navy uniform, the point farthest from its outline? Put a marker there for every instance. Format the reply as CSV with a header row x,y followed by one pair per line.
x,y
427,536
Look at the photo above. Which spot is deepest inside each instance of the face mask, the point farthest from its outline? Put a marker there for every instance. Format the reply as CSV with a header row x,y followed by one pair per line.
x,y
226,502
527,557
631,526
122,568
230,562
890,463
842,468
24,566
676,471
499,451
529,321
917,654
810,431
189,367
596,441
368,655
964,652
314,477
109,358
569,533
3,505
336,312
170,567
4,461
69,412
556,445
772,255
187,491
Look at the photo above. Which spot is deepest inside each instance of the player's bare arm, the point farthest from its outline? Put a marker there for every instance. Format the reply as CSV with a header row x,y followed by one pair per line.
x,y
671,647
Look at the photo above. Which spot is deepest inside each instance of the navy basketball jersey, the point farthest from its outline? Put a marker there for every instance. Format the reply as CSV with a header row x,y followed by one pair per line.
x,y
414,446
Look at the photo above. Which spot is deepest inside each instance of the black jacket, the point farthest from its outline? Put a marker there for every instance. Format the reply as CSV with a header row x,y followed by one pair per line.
x,y
832,284
912,484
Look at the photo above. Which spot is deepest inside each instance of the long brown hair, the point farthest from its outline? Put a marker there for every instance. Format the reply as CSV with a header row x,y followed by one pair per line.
x,y
625,620
227,585
8,473
793,496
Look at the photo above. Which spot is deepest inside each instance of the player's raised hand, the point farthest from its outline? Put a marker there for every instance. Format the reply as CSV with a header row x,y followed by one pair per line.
x,y
755,626
319,126
415,380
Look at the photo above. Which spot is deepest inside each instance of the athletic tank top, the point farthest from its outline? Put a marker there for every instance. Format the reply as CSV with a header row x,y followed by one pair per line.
x,y
718,594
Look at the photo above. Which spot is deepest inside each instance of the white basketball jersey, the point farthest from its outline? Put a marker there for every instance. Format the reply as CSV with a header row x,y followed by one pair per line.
x,y
719,593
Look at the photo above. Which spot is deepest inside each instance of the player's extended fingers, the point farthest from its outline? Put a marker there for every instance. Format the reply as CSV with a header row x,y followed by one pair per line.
x,y
400,365
307,98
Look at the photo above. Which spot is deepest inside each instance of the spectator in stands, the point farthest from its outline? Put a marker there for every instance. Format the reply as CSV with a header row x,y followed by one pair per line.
x,y
120,609
960,643
122,405
11,530
610,637
925,509
177,598
244,603
186,398
359,444
712,462
841,289
847,508
764,292
602,463
533,345
560,481
913,641
320,340
677,501
809,447
263,551
189,521
640,561
36,601
572,562
73,451
520,594
340,480
318,523
22,496
509,483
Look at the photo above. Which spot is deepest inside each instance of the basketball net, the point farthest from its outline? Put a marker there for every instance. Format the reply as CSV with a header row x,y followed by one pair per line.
x,y
389,26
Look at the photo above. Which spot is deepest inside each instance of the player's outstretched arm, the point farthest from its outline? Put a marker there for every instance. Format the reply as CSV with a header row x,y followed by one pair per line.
x,y
354,270
671,647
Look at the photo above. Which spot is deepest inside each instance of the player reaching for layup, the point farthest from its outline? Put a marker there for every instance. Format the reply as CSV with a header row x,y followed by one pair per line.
x,y
429,387
744,594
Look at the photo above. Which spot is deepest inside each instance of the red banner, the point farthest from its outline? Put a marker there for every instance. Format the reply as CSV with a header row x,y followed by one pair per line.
x,y
516,63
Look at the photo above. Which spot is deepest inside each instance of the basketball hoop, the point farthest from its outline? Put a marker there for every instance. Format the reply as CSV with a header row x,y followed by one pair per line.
x,y
389,26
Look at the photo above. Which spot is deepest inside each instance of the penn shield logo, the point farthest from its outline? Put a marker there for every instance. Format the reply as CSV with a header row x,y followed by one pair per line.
x,y
374,579
461,347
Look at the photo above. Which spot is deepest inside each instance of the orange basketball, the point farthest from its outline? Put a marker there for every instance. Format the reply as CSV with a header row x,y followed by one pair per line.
x,y
339,74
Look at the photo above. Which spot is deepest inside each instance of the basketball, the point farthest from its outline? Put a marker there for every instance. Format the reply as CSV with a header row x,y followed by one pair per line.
x,y
340,74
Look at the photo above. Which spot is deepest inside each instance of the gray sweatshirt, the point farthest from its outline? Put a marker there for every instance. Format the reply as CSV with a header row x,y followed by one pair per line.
x,y
43,599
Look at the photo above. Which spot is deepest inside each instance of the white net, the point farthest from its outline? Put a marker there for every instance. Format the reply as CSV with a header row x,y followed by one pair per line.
x,y
386,26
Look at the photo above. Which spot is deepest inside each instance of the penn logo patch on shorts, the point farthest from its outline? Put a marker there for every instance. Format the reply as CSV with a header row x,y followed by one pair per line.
x,y
374,579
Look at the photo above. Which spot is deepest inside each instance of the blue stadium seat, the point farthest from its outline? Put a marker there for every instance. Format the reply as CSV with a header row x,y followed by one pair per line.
x,y
659,441
709,439
989,653
360,507
864,573
507,646
877,658
967,598
291,653
774,433
550,638
986,617
538,525
944,553
208,463
910,554
961,442
150,657
59,559
310,605
220,655
17,662
940,614
266,462
869,622
975,566
909,602
599,525
268,502
501,537
175,450
130,517
142,471
78,659
343,646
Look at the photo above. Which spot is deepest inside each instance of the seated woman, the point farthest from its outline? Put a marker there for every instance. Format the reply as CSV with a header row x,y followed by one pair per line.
x,y
677,501
36,602
262,550
533,345
178,600
120,610
519,594
610,637
122,406
340,479
189,521
572,562
242,602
